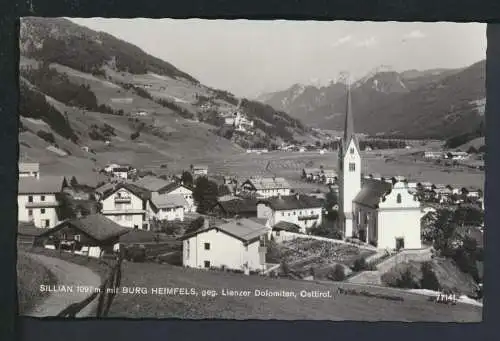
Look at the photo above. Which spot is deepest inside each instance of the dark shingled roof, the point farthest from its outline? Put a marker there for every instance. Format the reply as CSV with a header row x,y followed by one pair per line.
x,y
138,191
235,206
371,192
173,186
96,226
286,226
292,202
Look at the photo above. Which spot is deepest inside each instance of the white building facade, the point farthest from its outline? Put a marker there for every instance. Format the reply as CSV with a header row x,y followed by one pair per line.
x,y
226,246
126,208
266,187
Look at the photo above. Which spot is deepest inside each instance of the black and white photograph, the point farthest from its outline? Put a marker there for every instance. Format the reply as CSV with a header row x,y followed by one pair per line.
x,y
251,169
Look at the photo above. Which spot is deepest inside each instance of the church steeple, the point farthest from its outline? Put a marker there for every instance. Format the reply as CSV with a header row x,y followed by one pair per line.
x,y
349,121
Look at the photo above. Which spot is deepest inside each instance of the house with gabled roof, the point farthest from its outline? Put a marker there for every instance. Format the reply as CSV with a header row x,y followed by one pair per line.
x,y
37,200
185,191
29,169
167,207
300,209
92,235
127,205
261,187
235,207
237,244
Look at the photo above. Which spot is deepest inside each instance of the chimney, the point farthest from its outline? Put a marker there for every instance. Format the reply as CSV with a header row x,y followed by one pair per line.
x,y
206,223
297,196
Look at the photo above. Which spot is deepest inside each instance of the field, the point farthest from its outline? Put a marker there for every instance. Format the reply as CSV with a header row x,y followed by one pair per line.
x,y
30,275
400,306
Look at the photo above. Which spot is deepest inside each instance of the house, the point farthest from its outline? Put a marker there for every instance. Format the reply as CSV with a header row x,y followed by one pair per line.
x,y
236,245
27,234
433,155
37,200
237,207
300,209
92,236
472,192
109,168
266,187
312,174
185,191
31,169
100,191
167,207
199,170
152,183
284,230
329,176
121,172
458,155
382,213
127,205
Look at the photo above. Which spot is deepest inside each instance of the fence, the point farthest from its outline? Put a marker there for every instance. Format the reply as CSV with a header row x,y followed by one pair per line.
x,y
105,295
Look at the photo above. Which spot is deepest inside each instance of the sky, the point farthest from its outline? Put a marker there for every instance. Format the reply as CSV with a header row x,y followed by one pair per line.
x,y
248,57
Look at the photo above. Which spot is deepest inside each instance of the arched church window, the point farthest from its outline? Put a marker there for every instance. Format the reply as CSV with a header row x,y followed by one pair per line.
x,y
398,199
351,150
352,167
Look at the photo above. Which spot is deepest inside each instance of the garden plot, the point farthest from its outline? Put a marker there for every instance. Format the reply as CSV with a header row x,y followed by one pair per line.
x,y
303,255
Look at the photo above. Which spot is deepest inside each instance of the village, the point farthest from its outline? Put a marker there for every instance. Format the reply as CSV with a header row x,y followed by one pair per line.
x,y
354,227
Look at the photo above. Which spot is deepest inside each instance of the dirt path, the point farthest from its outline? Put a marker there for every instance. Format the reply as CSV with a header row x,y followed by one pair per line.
x,y
69,275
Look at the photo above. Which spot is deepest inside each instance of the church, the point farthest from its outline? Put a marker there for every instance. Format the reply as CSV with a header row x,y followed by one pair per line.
x,y
379,212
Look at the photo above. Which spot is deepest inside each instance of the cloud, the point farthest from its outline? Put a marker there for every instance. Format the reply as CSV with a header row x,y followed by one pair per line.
x,y
342,41
370,42
415,34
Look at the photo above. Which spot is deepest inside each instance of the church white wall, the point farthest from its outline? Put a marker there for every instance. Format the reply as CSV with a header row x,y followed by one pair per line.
x,y
399,223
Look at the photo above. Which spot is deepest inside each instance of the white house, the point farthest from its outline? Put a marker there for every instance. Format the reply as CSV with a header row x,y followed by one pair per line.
x,y
433,155
167,207
266,187
236,245
375,211
37,200
329,176
185,191
31,169
199,170
299,209
127,205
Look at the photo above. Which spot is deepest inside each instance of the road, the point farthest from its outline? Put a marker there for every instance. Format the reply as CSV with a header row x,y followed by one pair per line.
x,y
70,275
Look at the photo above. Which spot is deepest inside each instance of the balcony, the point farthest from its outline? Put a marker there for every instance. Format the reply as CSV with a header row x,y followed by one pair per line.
x,y
42,204
123,199
309,217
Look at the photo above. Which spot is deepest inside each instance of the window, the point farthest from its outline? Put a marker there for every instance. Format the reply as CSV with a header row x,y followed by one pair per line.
x,y
42,198
246,247
47,223
30,213
30,198
207,246
352,167
398,198
128,217
282,214
42,210
294,213
351,150
277,233
206,264
187,249
118,206
77,237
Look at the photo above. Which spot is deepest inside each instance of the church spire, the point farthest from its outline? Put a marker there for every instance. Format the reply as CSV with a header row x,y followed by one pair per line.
x,y
349,122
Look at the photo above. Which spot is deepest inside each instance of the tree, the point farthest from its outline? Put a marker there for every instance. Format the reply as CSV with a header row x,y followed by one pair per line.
x,y
73,182
406,280
338,273
429,279
187,178
205,194
135,135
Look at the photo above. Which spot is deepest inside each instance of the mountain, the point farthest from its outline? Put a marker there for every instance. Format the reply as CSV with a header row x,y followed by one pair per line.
x,y
86,90
438,103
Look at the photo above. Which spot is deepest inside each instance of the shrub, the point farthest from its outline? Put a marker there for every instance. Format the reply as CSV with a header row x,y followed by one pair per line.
x,y
406,280
48,137
337,273
360,264
135,135
429,279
